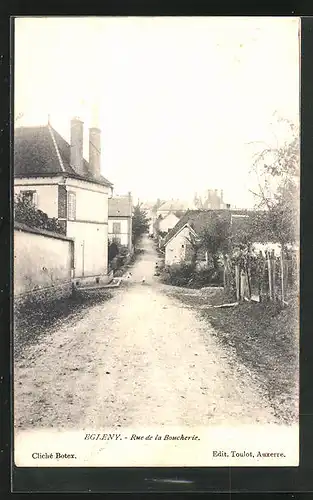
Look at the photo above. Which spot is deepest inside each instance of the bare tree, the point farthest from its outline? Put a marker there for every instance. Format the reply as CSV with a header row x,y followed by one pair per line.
x,y
277,172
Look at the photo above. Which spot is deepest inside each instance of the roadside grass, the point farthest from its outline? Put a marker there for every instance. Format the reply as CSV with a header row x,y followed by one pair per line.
x,y
34,320
265,338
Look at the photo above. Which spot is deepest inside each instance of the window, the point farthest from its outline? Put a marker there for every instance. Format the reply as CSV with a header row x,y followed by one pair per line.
x,y
116,228
30,196
71,206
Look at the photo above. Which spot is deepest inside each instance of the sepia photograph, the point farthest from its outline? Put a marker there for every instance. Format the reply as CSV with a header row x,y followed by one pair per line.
x,y
156,171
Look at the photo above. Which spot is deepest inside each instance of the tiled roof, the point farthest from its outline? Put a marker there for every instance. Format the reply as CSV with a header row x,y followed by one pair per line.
x,y
189,217
23,227
173,206
42,151
120,206
241,220
151,205
256,222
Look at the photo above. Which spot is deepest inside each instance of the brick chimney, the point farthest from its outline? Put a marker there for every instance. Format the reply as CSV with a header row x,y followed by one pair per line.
x,y
77,145
95,151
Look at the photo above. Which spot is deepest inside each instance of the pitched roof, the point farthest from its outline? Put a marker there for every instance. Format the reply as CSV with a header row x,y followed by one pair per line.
x,y
42,151
177,215
188,218
120,206
151,205
173,206
148,205
252,221
255,222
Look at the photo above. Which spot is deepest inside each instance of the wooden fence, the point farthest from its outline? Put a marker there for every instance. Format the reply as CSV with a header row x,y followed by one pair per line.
x,y
263,277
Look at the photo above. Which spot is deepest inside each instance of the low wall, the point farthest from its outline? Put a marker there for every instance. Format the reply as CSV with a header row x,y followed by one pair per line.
x,y
43,265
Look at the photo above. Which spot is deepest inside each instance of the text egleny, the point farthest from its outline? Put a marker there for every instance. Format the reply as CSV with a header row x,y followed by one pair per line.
x,y
141,437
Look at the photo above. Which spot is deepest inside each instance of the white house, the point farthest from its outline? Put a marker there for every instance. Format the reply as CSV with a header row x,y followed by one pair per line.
x,y
177,247
120,220
168,222
151,210
60,182
178,243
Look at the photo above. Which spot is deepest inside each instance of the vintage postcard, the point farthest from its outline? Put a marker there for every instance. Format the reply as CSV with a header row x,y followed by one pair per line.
x,y
156,241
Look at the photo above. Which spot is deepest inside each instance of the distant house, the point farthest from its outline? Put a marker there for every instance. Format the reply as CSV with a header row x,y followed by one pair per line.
x,y
211,200
178,243
151,210
168,214
120,220
173,206
54,175
167,223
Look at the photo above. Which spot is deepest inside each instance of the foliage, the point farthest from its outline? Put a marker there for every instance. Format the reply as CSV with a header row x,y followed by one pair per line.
x,y
26,213
123,250
140,223
178,274
185,274
214,239
277,170
113,250
162,234
118,255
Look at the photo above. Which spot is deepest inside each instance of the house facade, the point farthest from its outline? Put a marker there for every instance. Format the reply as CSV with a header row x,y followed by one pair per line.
x,y
177,244
167,223
177,248
55,176
151,210
120,220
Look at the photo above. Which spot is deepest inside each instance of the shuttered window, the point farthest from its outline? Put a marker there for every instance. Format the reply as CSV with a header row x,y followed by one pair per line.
x,y
116,228
71,206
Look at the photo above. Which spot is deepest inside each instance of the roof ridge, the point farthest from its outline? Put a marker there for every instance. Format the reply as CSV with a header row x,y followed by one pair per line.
x,y
56,147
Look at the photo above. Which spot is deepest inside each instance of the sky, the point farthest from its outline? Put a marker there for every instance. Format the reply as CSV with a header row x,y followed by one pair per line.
x,y
179,100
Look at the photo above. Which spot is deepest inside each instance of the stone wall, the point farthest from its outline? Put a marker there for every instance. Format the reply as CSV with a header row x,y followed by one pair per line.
x,y
43,265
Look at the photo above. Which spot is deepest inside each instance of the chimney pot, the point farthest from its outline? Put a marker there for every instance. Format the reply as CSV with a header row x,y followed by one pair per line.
x,y
77,145
95,151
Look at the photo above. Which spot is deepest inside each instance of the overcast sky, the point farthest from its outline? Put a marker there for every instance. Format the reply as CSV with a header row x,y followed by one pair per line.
x,y
178,98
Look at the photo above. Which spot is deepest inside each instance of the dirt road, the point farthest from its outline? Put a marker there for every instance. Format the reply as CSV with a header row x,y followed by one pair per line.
x,y
139,359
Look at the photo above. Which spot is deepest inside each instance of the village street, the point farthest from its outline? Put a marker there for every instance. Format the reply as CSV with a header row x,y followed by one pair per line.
x,y
139,359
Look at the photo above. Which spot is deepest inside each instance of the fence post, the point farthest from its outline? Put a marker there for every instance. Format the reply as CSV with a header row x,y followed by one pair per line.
x,y
260,274
242,284
273,265
269,268
248,278
282,274
237,274
224,273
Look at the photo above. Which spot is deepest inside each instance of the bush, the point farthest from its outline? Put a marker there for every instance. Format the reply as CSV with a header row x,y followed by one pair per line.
x,y
178,274
123,250
26,213
185,274
208,276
